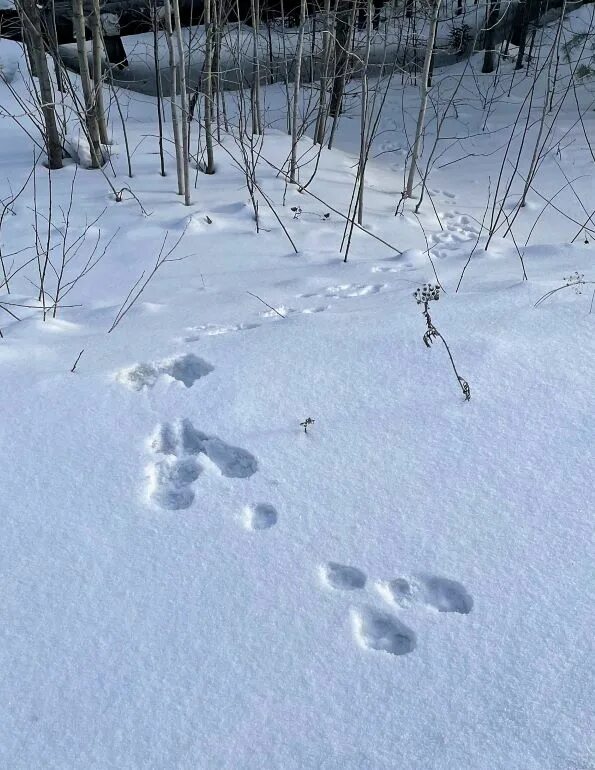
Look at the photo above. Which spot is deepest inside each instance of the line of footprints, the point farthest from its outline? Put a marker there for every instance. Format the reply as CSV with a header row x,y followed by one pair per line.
x,y
180,453
377,630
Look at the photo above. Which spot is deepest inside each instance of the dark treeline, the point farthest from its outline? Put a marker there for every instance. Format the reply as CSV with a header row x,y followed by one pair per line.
x,y
136,16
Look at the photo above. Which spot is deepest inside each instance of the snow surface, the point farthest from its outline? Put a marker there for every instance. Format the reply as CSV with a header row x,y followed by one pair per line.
x,y
190,580
10,56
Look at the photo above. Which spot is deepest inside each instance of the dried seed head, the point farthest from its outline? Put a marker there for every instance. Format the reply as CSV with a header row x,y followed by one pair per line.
x,y
427,293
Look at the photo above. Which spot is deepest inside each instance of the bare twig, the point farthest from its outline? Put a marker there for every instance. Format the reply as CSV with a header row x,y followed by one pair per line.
x,y
267,304
78,358
134,294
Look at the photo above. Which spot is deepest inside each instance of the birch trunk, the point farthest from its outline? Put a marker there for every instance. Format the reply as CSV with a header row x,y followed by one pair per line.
x,y
341,43
173,74
34,39
321,117
210,169
344,25
488,57
88,91
155,19
183,103
97,72
424,91
255,93
363,125
296,96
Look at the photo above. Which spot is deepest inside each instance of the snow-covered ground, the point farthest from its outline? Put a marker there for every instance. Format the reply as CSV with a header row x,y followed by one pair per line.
x,y
189,580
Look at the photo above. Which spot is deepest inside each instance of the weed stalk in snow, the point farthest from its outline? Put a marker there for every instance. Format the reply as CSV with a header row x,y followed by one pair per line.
x,y
427,293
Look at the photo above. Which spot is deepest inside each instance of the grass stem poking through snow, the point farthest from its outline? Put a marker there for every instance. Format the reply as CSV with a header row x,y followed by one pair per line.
x,y
78,358
274,309
428,293
576,280
307,421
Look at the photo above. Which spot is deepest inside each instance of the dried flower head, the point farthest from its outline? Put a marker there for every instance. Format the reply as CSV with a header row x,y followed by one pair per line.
x,y
575,277
427,293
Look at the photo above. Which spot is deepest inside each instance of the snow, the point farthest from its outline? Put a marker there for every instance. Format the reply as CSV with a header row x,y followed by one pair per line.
x,y
77,146
190,579
10,56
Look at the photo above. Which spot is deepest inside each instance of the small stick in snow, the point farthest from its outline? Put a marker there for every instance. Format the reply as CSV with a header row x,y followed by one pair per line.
x,y
307,421
267,304
6,310
78,358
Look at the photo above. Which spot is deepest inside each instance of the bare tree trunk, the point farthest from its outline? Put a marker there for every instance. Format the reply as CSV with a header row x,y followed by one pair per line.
x,y
255,92
321,118
424,90
492,21
183,103
97,72
210,169
52,34
155,19
363,126
88,91
173,74
221,112
522,19
31,55
296,96
343,22
32,24
531,44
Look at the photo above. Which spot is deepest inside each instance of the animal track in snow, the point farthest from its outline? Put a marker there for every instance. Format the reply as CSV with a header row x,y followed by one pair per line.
x,y
211,330
380,630
170,482
461,221
233,217
260,516
186,453
289,311
446,193
346,290
439,593
459,230
446,595
187,369
398,591
341,577
449,241
375,630
317,309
